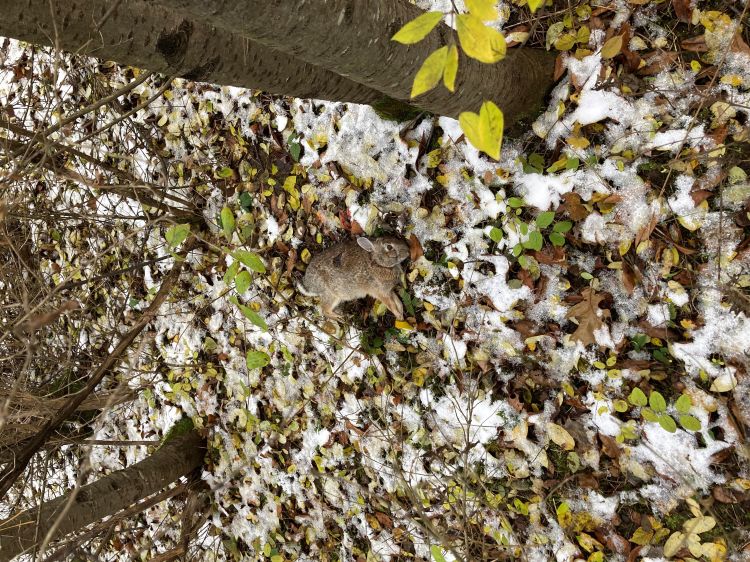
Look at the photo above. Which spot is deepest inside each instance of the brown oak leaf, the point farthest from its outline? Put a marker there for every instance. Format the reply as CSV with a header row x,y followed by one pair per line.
x,y
589,316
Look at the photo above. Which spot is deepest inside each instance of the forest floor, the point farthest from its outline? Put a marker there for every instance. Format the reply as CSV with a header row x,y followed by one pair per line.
x,y
571,378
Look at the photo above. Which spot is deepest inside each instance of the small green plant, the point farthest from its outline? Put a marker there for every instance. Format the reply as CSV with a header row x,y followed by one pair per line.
x,y
532,234
654,409
654,346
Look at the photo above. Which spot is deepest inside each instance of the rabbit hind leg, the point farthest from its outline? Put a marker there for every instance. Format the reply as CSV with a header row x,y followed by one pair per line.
x,y
393,303
328,304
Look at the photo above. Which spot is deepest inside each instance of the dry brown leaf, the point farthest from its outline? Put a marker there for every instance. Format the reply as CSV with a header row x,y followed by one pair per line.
x,y
682,10
589,316
645,232
656,62
574,207
738,44
415,248
695,44
610,446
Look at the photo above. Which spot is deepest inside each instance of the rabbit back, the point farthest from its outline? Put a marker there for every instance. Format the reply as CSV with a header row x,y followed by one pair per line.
x,y
349,272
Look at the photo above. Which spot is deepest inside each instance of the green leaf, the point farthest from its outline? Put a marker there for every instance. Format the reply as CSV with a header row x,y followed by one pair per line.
x,y
691,423
534,5
649,415
227,222
667,423
545,219
620,406
231,272
256,359
224,173
484,9
437,553
478,41
242,281
562,226
557,239
535,241
253,316
249,259
430,73
554,32
683,404
484,131
517,249
418,28
572,164
451,68
514,202
246,201
536,160
177,234
496,234
657,402
523,261
637,398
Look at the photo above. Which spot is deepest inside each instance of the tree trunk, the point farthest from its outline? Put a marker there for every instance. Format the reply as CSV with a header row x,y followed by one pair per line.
x,y
156,38
177,457
353,39
282,48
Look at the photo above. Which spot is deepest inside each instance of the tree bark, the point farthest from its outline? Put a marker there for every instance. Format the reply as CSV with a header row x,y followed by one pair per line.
x,y
335,50
77,509
353,39
156,38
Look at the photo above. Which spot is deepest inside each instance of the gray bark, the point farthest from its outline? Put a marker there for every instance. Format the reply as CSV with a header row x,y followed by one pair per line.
x,y
23,532
353,39
159,39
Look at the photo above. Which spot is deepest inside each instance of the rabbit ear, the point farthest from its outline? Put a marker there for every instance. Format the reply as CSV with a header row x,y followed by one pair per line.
x,y
365,244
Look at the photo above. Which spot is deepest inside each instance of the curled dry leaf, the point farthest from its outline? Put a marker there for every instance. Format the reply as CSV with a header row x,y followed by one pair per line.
x,y
415,248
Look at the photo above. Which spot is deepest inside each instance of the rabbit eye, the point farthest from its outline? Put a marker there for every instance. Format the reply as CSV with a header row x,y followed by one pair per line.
x,y
388,247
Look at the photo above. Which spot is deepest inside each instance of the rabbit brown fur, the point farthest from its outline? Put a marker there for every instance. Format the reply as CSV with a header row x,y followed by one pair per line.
x,y
356,269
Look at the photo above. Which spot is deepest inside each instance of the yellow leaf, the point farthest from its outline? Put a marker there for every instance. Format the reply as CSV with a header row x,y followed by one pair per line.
x,y
565,42
484,131
674,544
578,142
429,75
612,47
418,28
451,68
700,524
403,325
723,383
560,436
483,9
534,5
479,41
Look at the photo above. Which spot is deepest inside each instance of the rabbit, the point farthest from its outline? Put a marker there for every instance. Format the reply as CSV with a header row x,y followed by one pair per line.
x,y
354,269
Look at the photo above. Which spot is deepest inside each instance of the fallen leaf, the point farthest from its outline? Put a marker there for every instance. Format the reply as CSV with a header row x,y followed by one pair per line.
x,y
415,248
610,446
695,44
738,45
682,10
589,316
560,436
657,62
573,206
